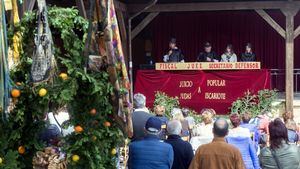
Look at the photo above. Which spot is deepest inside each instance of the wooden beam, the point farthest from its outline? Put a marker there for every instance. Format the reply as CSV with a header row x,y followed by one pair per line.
x,y
120,6
214,6
81,8
271,22
297,32
289,58
143,24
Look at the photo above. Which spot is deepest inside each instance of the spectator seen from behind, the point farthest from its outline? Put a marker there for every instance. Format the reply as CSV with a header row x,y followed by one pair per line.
x,y
248,56
291,126
280,154
139,116
246,117
237,130
229,55
159,111
218,154
183,152
150,152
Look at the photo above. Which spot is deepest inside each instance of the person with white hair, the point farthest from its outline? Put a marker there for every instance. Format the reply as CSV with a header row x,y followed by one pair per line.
x,y
139,116
183,151
177,115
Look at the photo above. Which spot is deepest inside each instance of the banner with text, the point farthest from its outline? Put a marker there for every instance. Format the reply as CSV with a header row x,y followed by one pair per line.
x,y
201,89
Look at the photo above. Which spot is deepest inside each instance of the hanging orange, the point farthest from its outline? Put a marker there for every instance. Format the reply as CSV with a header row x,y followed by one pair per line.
x,y
78,129
21,149
15,93
107,124
63,76
93,112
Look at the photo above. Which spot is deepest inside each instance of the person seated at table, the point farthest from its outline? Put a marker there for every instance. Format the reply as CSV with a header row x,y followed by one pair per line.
x,y
208,55
174,54
229,55
248,56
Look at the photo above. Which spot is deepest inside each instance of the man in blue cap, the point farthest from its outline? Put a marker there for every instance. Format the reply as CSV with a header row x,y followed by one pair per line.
x,y
151,153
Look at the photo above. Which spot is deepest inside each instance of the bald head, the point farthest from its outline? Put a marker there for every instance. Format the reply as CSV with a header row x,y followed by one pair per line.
x,y
220,127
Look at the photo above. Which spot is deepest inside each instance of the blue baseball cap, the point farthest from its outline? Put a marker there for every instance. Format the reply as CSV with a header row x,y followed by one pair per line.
x,y
153,124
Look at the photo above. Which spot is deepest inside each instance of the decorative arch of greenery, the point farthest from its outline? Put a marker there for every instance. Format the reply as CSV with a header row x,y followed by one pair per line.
x,y
80,92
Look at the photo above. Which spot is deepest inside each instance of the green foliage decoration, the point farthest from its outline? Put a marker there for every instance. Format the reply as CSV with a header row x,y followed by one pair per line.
x,y
255,103
80,92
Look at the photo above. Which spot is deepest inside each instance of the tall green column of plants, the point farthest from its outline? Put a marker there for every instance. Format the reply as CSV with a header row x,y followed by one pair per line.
x,y
86,95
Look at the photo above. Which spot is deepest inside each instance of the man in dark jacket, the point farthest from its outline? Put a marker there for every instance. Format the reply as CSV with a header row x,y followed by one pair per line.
x,y
139,116
174,54
150,153
183,151
208,55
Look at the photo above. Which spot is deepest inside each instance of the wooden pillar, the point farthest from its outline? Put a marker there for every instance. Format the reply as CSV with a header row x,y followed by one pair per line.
x,y
289,57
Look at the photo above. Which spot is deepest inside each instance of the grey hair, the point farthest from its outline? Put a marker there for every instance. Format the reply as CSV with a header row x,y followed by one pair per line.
x,y
176,111
139,101
174,127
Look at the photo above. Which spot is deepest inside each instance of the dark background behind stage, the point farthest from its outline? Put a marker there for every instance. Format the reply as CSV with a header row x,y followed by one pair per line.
x,y
192,29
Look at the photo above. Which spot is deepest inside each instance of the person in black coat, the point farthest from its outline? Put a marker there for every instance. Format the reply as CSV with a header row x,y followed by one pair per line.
x,y
183,151
208,55
248,56
174,54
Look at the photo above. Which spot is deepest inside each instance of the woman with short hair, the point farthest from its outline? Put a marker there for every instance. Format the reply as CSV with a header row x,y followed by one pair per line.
x,y
229,55
280,154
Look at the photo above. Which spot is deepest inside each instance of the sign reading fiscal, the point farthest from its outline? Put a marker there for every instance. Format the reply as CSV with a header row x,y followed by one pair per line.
x,y
201,89
207,66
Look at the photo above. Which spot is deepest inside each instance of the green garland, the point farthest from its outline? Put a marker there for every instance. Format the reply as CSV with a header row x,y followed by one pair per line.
x,y
81,91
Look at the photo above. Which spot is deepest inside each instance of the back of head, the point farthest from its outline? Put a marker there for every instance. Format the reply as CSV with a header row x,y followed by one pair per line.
x,y
235,119
246,117
185,112
278,133
220,127
139,101
177,114
153,125
174,127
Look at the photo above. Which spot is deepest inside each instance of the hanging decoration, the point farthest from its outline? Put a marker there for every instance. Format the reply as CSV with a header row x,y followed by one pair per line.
x,y
14,51
4,72
116,64
43,64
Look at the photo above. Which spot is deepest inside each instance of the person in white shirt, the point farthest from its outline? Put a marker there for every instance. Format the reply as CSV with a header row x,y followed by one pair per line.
x,y
229,55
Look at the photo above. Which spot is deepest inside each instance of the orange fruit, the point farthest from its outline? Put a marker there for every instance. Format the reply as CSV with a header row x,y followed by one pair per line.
x,y
107,124
113,151
15,93
94,138
93,112
21,149
78,129
75,158
42,92
1,160
18,83
63,76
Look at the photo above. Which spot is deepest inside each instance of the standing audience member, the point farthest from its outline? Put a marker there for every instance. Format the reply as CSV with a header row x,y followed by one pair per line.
x,y
218,154
229,55
159,111
183,152
280,154
174,54
237,130
139,116
246,117
292,131
202,134
150,153
287,116
248,56
262,121
190,119
241,138
208,55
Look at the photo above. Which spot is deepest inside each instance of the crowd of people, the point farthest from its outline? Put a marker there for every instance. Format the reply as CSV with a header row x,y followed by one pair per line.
x,y
208,55
239,142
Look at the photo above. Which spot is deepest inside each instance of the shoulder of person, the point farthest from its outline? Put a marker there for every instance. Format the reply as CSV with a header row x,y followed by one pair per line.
x,y
266,151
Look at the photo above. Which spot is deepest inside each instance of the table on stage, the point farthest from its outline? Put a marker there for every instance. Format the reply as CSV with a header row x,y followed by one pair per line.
x,y
203,85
